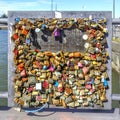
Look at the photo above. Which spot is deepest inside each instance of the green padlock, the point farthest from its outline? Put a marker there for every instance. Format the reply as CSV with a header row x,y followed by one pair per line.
x,y
31,80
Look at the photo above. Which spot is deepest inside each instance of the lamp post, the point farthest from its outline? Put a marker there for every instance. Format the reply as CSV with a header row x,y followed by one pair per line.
x,y
113,8
51,5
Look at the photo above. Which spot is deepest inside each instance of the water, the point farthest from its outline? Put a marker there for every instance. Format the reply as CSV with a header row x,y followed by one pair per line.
x,y
3,69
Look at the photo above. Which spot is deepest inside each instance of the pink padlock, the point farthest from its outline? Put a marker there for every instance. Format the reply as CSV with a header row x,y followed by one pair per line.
x,y
80,64
60,89
30,89
64,77
56,32
85,70
92,90
88,86
23,73
51,68
93,56
38,98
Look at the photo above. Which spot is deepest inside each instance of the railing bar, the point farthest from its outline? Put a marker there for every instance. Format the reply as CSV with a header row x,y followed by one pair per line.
x,y
3,94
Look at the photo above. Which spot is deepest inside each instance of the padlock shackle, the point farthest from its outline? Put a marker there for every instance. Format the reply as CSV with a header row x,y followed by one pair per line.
x,y
36,110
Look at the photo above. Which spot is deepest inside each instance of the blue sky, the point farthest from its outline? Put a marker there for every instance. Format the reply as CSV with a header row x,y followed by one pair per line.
x,y
69,5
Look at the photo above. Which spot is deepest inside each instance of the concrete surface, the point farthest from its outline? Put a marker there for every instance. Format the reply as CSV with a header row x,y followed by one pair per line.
x,y
11,114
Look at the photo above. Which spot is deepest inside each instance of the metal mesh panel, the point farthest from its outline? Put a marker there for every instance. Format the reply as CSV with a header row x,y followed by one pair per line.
x,y
116,31
3,102
3,64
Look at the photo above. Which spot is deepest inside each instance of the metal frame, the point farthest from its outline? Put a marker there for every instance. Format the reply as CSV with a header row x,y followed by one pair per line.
x,y
114,96
41,14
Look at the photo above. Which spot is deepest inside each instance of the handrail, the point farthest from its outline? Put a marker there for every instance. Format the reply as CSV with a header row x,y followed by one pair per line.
x,y
116,97
114,21
3,94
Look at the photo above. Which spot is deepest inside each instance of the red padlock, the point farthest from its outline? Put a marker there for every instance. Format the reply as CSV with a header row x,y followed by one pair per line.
x,y
15,51
30,89
98,45
45,84
15,36
93,56
23,73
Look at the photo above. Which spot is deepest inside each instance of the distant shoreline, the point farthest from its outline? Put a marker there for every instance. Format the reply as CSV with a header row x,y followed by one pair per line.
x,y
3,27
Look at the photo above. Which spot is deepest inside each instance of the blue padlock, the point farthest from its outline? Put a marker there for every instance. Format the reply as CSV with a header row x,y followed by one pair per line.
x,y
91,82
43,26
27,41
56,84
105,83
17,19
45,67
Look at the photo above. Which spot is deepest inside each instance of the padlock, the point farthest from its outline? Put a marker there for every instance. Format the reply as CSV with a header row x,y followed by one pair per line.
x,y
15,36
31,80
85,104
21,102
23,73
26,104
43,75
45,84
26,84
76,92
103,68
99,58
71,104
34,104
57,94
25,32
105,74
88,86
97,81
56,102
57,32
103,97
68,91
38,98
63,103
35,93
17,94
85,70
19,83
26,97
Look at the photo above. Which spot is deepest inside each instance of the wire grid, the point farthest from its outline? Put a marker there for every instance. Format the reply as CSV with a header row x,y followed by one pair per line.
x,y
116,31
3,64
3,59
